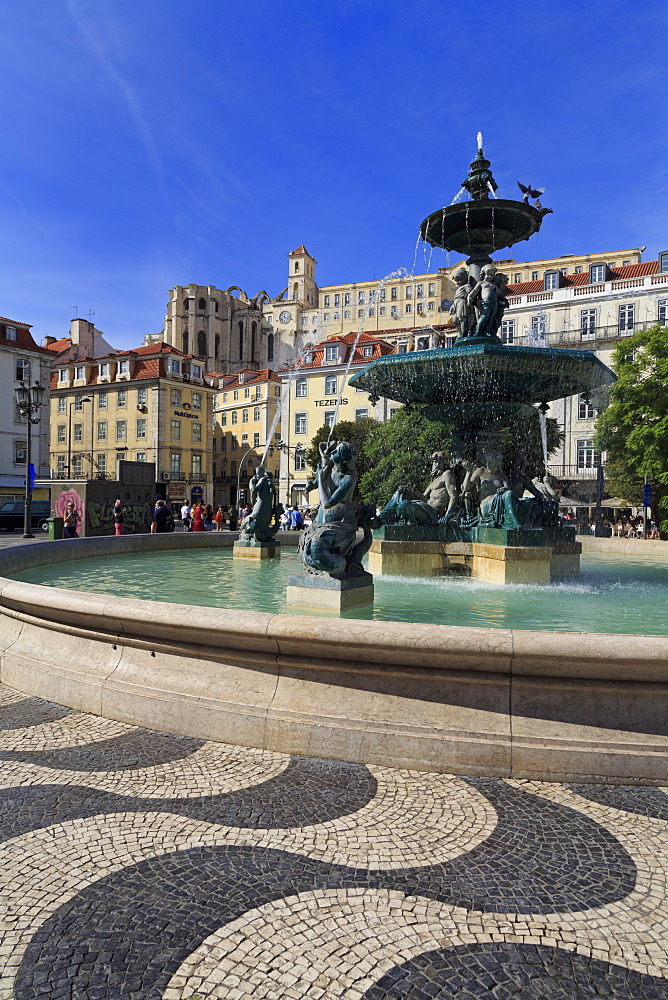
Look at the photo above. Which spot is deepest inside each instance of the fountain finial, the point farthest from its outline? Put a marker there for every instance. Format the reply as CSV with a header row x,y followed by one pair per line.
x,y
480,182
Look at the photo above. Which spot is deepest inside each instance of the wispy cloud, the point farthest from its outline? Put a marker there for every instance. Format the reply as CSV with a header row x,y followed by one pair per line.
x,y
128,92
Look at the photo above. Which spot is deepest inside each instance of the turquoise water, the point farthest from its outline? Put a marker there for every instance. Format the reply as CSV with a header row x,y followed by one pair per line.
x,y
624,595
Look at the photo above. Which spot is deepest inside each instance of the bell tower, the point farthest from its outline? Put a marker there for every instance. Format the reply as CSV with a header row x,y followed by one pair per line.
x,y
302,287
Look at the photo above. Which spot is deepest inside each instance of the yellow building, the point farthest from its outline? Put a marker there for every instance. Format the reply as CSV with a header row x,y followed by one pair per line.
x,y
246,419
152,404
315,393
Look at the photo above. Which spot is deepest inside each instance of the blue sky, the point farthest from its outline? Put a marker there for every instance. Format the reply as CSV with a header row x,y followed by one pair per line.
x,y
153,143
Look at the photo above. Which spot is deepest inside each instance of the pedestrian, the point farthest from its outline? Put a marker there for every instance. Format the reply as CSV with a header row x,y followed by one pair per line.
x,y
119,510
198,518
220,519
163,519
296,519
208,517
233,515
186,517
285,520
70,522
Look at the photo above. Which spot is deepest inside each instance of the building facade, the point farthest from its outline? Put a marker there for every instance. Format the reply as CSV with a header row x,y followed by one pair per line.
x,y
152,404
246,415
21,360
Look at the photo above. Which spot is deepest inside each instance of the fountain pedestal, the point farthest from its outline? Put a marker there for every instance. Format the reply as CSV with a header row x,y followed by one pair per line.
x,y
329,593
252,549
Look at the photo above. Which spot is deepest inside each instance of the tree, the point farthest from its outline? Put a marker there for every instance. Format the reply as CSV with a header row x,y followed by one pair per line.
x,y
633,429
356,432
398,454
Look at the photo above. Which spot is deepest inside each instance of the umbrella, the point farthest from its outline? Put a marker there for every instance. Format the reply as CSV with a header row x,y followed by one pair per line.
x,y
616,502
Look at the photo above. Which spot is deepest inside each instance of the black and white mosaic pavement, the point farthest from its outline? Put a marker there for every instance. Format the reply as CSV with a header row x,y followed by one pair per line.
x,y
142,866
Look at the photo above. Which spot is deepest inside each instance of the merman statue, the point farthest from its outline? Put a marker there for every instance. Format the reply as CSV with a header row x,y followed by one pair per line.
x,y
263,521
330,545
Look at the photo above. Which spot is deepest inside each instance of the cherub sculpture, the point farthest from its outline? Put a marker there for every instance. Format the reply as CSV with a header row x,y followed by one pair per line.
x,y
462,313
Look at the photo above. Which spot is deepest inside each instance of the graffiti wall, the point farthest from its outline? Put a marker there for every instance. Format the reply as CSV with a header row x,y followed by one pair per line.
x,y
94,503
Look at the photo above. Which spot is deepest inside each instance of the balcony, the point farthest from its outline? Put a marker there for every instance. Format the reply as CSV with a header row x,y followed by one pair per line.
x,y
574,471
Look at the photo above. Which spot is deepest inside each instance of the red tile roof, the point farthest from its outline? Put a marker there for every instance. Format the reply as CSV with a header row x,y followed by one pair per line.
x,y
250,376
58,346
148,364
571,280
380,348
24,338
300,249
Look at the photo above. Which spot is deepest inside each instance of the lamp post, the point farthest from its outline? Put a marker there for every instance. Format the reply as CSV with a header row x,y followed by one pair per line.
x,y
85,399
28,401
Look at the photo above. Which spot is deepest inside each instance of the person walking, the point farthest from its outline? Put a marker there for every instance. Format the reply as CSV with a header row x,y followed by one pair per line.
x,y
119,511
220,519
186,517
70,522
233,515
198,518
296,519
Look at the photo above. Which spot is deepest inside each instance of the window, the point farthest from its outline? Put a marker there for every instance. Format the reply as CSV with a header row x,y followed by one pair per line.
x,y
78,403
235,395
233,470
551,279
256,439
420,291
244,440
246,393
360,313
361,414
587,323
186,304
19,415
141,456
224,397
382,310
300,461
270,347
223,444
325,316
534,275
331,385
201,305
196,371
223,420
234,443
175,430
409,291
517,277
596,273
394,312
587,458
60,434
662,315
508,331
61,465
63,374
141,427
102,464
371,311
102,430
174,367
626,317
409,307
123,367
121,430
360,298
235,416
331,353
258,392
430,306
10,333
539,325
122,398
197,465
196,401
393,293
586,410
256,414
346,298
102,401
77,466
175,464
244,416
577,270
422,344
300,423
301,388
22,370
80,372
330,416
141,397
62,404
402,347
663,263
367,351
175,397
326,301
277,390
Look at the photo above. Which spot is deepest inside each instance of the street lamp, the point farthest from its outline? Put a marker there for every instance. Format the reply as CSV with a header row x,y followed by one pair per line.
x,y
85,399
28,401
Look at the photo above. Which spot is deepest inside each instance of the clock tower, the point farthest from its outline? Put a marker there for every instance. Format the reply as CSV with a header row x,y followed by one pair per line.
x,y
301,278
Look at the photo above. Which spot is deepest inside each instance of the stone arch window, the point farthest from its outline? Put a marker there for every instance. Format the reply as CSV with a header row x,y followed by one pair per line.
x,y
201,344
216,305
270,347
253,338
186,304
241,341
217,346
184,342
296,266
295,290
201,305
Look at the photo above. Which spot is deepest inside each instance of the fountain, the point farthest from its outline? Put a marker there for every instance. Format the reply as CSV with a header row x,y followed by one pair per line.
x,y
480,389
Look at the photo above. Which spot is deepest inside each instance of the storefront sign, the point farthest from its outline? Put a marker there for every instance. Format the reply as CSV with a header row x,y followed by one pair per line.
x,y
329,402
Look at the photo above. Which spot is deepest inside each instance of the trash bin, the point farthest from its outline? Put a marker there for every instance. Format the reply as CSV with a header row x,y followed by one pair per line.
x,y
55,527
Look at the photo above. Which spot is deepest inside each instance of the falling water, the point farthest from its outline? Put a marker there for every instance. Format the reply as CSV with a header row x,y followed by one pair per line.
x,y
491,189
542,421
458,197
285,394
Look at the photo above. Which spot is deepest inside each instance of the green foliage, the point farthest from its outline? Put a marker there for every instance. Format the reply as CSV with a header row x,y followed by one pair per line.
x,y
524,438
398,454
633,430
356,432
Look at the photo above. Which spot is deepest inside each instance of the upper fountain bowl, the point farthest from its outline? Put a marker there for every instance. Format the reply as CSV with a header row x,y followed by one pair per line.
x,y
481,227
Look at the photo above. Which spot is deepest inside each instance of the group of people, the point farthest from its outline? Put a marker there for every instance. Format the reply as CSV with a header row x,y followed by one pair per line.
x,y
292,519
625,526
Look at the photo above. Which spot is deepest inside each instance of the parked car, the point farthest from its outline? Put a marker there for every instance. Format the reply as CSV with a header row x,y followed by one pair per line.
x,y
12,515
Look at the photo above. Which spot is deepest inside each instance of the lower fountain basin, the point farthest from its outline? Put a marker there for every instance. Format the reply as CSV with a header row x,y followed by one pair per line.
x,y
484,372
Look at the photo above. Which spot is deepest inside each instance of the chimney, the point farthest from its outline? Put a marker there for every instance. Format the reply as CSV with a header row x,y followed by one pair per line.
x,y
82,334
48,341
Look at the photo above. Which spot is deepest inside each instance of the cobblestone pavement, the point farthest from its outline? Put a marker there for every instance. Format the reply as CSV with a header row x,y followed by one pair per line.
x,y
139,866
